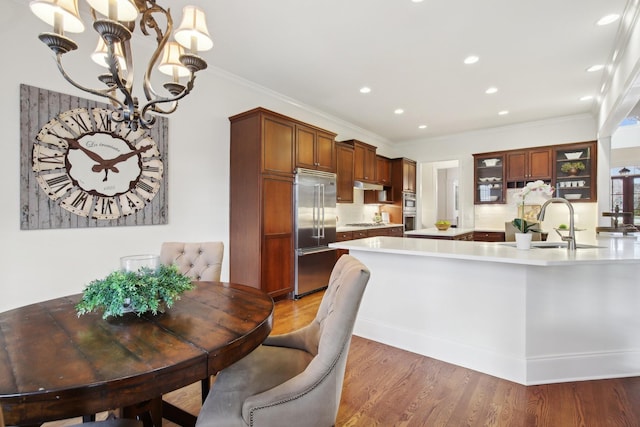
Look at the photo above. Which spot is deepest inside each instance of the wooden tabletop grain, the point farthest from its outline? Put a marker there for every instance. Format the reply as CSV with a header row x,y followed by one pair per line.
x,y
55,365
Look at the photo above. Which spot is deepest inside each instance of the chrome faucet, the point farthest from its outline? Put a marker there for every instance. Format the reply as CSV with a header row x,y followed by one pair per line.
x,y
571,238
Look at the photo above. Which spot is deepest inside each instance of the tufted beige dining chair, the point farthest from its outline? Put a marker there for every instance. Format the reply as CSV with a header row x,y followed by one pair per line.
x,y
296,378
200,261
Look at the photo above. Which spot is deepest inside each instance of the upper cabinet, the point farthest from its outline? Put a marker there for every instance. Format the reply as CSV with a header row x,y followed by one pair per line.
x,y
364,161
344,172
277,143
529,165
383,170
315,149
570,168
575,171
403,176
489,178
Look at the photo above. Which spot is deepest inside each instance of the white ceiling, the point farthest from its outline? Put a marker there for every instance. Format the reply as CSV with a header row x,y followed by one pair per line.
x,y
320,52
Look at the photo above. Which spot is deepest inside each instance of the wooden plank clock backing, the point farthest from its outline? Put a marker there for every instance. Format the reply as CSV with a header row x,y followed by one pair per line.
x,y
78,168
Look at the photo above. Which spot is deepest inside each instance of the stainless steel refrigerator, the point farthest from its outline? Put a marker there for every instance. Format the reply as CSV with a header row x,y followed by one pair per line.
x,y
315,222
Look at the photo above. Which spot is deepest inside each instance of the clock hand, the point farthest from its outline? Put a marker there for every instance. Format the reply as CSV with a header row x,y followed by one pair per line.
x,y
109,164
74,144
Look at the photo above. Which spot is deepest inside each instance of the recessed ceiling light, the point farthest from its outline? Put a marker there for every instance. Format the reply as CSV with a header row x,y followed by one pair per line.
x,y
608,19
471,59
491,90
503,112
422,127
586,98
365,89
595,68
398,111
417,1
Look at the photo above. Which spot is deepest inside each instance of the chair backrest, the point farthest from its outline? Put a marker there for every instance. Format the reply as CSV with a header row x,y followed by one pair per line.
x,y
200,260
313,396
510,233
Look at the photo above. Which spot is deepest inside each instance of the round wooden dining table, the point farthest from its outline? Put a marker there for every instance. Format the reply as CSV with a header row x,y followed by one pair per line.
x,y
56,365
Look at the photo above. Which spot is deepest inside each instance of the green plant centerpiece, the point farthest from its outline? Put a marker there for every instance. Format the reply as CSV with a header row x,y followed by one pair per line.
x,y
143,291
572,168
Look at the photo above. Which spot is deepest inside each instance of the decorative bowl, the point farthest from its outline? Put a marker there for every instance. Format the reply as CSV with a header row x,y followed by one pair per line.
x,y
442,226
574,155
493,198
572,196
491,162
484,179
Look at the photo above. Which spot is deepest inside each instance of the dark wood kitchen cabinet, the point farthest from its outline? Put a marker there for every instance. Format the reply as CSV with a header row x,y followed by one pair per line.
x,y
529,165
364,161
261,225
315,149
403,177
383,170
344,172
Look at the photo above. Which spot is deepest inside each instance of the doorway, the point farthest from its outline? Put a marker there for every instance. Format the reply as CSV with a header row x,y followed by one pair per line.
x,y
439,193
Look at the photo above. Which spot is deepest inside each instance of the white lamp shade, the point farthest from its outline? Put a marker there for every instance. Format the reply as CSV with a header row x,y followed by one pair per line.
x,y
66,10
193,33
118,10
170,64
101,53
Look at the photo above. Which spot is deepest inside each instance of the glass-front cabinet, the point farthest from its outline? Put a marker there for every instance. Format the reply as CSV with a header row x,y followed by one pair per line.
x,y
575,172
489,178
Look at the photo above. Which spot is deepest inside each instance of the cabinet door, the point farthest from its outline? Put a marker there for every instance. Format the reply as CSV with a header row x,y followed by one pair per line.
x,y
277,244
364,163
577,183
409,176
517,166
277,150
370,164
305,147
344,172
383,170
540,165
325,152
489,178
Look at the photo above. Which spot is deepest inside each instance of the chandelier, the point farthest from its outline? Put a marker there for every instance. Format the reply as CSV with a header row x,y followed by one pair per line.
x,y
114,21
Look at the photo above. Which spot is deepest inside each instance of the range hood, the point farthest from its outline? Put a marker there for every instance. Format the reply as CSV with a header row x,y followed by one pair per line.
x,y
367,186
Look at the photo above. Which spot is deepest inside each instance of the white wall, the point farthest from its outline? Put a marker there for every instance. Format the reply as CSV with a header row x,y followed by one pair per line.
x,y
42,264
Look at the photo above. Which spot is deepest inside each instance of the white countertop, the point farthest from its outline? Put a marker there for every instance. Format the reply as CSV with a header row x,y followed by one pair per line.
x,y
344,228
450,232
612,250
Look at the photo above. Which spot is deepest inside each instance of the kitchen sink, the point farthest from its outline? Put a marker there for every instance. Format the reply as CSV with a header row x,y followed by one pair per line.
x,y
554,245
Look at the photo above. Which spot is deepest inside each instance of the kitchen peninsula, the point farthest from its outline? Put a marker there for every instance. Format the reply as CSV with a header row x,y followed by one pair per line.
x,y
534,317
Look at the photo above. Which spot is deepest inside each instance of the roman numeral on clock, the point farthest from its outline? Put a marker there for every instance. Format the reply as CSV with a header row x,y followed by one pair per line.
x,y
56,184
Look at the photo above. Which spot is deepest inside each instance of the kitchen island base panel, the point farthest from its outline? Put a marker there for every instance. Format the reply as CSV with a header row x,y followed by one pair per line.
x,y
524,323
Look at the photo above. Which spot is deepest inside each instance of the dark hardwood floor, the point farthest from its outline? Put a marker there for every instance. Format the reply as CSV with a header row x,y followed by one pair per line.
x,y
385,386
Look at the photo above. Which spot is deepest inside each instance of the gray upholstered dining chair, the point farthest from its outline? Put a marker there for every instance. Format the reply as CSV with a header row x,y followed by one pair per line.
x,y
295,378
198,260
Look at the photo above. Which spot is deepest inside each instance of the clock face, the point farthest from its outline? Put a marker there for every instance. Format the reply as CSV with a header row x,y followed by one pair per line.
x,y
95,167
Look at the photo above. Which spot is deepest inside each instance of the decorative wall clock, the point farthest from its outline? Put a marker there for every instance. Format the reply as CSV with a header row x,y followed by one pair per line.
x,y
87,170
96,167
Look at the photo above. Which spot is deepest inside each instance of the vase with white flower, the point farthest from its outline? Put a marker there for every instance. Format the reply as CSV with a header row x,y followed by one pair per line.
x,y
525,228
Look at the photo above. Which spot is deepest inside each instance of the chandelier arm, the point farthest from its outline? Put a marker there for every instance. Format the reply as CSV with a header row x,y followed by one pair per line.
x,y
127,111
153,105
147,20
105,93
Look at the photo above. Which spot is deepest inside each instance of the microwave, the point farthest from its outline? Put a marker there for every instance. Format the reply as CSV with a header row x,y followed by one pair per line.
x,y
409,202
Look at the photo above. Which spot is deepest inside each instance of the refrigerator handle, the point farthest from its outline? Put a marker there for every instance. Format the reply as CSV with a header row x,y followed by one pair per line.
x,y
321,209
316,211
